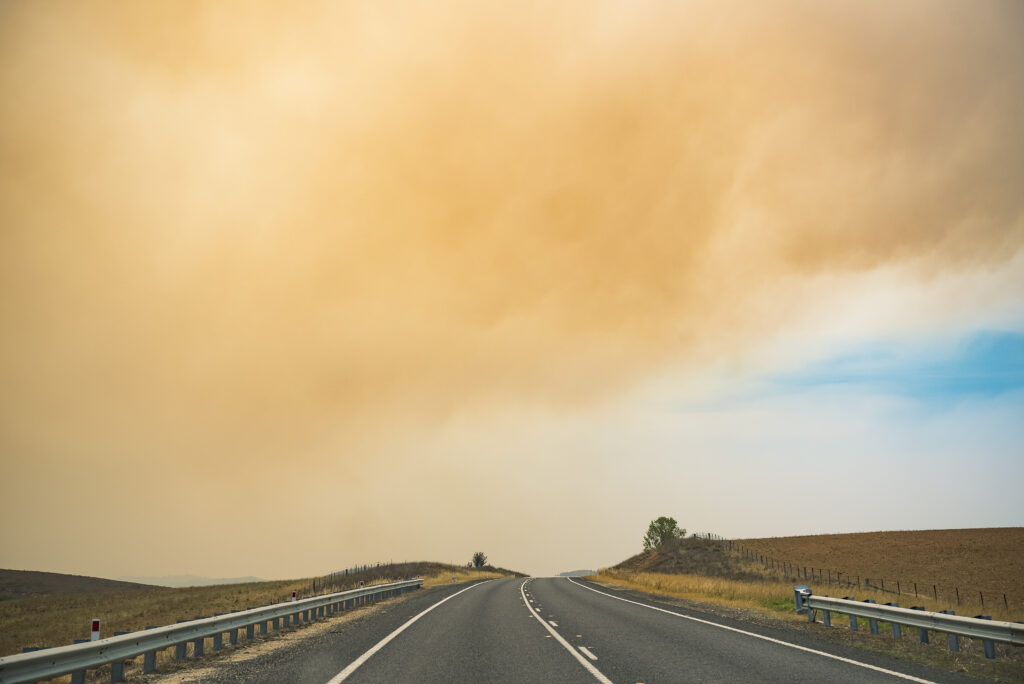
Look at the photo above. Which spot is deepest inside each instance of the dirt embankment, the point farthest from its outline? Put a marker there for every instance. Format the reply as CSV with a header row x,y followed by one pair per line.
x,y
693,557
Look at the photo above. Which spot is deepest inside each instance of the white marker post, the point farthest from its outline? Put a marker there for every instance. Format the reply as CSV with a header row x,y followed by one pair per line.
x,y
294,597
95,630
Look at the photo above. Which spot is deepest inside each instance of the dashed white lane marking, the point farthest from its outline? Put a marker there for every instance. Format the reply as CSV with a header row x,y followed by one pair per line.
x,y
565,644
761,636
553,623
587,653
354,665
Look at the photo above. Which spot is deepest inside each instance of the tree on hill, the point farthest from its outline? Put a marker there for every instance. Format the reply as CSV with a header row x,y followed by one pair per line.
x,y
660,531
479,559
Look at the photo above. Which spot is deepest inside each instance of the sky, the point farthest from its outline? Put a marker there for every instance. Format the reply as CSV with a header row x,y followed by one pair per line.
x,y
287,289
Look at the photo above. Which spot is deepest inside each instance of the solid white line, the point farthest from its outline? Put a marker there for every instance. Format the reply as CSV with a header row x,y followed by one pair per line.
x,y
593,670
587,653
761,636
354,665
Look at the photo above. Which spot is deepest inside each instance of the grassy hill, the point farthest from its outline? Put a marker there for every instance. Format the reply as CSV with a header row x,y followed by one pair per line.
x,y
693,557
971,571
15,584
734,577
56,619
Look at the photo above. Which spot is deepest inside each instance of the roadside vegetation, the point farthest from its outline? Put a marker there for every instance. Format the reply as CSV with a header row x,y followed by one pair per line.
x,y
715,572
59,619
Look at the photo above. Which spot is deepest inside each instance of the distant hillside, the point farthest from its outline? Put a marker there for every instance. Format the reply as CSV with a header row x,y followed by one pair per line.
x,y
16,584
693,557
178,581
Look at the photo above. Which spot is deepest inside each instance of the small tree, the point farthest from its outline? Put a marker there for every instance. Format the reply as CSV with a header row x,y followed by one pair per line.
x,y
479,559
660,531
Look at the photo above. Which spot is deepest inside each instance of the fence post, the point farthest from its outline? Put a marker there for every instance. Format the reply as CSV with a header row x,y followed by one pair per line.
x,y
954,640
922,633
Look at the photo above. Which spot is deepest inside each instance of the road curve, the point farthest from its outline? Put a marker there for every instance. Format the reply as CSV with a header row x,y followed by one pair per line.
x,y
555,629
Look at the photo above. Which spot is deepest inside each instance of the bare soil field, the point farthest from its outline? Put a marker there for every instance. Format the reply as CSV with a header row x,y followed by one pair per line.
x,y
977,564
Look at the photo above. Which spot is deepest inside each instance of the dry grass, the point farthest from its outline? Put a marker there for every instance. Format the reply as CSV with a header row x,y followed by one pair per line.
x,y
980,563
464,575
776,598
740,594
774,595
59,619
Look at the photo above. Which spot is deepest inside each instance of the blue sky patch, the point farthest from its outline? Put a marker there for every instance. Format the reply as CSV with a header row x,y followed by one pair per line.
x,y
985,364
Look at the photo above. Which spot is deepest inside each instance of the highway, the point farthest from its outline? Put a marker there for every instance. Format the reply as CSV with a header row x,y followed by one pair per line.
x,y
561,630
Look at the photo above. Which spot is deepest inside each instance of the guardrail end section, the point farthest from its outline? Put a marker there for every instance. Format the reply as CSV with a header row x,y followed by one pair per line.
x,y
800,594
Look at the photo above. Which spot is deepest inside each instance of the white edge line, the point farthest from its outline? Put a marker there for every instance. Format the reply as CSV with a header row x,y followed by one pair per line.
x,y
354,665
587,653
765,638
593,670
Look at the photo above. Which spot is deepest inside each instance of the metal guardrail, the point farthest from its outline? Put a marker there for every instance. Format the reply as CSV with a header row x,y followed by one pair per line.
x,y
76,658
954,625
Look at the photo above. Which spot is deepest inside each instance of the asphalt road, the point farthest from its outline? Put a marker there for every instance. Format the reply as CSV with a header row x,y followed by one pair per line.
x,y
560,630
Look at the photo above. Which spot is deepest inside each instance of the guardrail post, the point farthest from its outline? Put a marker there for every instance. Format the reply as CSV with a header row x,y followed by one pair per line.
x,y
263,626
79,677
180,649
117,666
218,638
954,640
853,618
897,629
250,632
277,624
989,646
922,633
197,647
872,622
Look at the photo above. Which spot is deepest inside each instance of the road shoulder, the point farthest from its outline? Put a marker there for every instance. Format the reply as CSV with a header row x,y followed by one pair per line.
x,y
932,661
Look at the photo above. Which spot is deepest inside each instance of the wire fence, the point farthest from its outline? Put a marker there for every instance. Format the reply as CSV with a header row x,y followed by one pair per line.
x,y
950,593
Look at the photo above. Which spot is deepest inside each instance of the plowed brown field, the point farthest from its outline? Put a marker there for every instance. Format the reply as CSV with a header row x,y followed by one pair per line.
x,y
979,563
